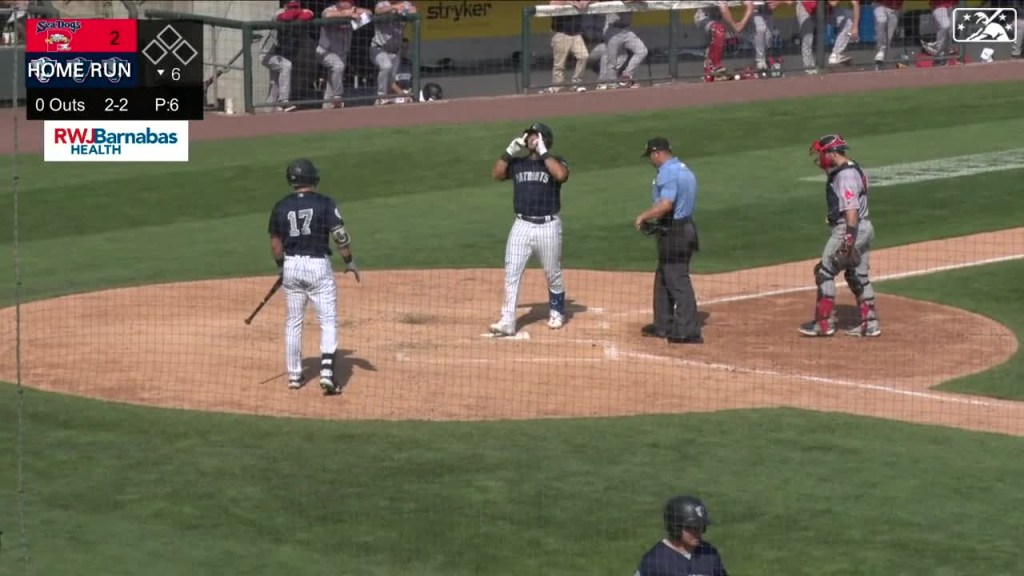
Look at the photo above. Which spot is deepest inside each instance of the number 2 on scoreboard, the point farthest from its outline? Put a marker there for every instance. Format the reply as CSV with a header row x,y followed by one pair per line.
x,y
120,106
115,38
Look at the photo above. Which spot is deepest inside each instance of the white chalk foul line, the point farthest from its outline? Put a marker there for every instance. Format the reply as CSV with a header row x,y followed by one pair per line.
x,y
940,169
612,353
956,399
841,287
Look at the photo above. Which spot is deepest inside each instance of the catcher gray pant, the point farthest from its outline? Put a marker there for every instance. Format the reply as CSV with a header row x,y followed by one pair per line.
x,y
763,26
280,78
335,85
943,16
675,305
616,40
844,28
886,21
387,68
865,236
805,26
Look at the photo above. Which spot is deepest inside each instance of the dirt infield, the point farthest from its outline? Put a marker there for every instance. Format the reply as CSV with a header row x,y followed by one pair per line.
x,y
409,353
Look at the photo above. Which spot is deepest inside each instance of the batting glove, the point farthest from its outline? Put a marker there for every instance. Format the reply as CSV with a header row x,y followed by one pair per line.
x,y
540,147
516,145
351,267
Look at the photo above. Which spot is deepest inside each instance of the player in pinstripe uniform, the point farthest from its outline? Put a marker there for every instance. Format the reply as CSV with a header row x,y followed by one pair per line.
x,y
537,180
301,226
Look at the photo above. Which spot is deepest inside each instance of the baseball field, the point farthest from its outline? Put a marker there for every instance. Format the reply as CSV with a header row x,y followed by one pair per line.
x,y
148,430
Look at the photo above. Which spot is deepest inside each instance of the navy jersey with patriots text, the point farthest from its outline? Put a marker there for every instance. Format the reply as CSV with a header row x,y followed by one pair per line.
x,y
665,560
304,221
535,191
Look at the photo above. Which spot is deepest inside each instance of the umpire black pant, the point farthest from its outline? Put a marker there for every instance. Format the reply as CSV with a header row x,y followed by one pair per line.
x,y
675,305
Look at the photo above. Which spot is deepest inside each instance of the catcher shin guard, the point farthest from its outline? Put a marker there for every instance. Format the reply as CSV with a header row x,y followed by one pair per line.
x,y
824,306
716,47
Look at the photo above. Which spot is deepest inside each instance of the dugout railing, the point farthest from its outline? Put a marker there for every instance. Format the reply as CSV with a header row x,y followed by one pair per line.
x,y
254,40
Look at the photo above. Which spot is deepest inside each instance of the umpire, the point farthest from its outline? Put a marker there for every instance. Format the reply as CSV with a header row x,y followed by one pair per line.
x,y
670,219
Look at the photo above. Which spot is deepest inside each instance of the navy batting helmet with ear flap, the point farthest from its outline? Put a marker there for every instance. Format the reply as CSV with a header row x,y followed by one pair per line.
x,y
545,132
685,512
302,172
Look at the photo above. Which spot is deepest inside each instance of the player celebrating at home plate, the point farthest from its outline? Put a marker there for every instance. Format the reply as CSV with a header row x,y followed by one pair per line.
x,y
301,226
536,186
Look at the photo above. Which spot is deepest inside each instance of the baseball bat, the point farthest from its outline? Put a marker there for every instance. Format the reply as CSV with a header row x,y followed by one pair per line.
x,y
273,289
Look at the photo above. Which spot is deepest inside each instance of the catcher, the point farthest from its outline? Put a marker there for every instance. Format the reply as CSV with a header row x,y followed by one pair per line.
x,y
848,249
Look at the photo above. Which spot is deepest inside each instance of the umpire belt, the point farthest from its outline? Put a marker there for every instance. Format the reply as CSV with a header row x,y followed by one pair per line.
x,y
537,219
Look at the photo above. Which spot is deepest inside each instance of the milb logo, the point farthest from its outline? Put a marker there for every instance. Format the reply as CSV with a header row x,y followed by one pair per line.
x,y
975,25
100,141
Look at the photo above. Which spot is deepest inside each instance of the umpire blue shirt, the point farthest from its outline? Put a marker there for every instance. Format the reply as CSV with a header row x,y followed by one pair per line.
x,y
676,183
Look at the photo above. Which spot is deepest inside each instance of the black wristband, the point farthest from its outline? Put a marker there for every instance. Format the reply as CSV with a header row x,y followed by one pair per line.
x,y
279,261
545,156
506,157
347,259
851,231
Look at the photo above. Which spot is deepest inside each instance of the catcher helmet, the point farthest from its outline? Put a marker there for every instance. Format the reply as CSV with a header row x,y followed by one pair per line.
x,y
545,132
302,172
821,148
431,91
685,512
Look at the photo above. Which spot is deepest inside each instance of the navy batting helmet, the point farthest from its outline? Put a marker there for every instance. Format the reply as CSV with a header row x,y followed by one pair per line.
x,y
546,134
302,172
685,512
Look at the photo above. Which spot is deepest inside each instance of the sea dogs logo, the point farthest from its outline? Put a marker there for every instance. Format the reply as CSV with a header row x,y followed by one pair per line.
x,y
58,33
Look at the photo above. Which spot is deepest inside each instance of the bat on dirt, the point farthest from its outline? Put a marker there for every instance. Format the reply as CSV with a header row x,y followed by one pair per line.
x,y
270,294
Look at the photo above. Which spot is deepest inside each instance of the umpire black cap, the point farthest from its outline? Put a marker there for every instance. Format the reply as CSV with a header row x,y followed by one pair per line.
x,y
655,144
685,512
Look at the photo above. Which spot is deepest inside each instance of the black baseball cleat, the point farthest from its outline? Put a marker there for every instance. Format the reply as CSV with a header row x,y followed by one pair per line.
x,y
685,340
650,331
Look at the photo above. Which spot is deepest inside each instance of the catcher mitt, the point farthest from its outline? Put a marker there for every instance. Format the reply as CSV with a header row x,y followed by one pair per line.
x,y
847,257
652,227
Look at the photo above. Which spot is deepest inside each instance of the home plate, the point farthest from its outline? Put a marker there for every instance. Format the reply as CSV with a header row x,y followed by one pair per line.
x,y
518,336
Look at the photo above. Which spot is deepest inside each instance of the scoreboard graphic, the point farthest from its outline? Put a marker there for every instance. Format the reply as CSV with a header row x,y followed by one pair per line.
x,y
114,69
